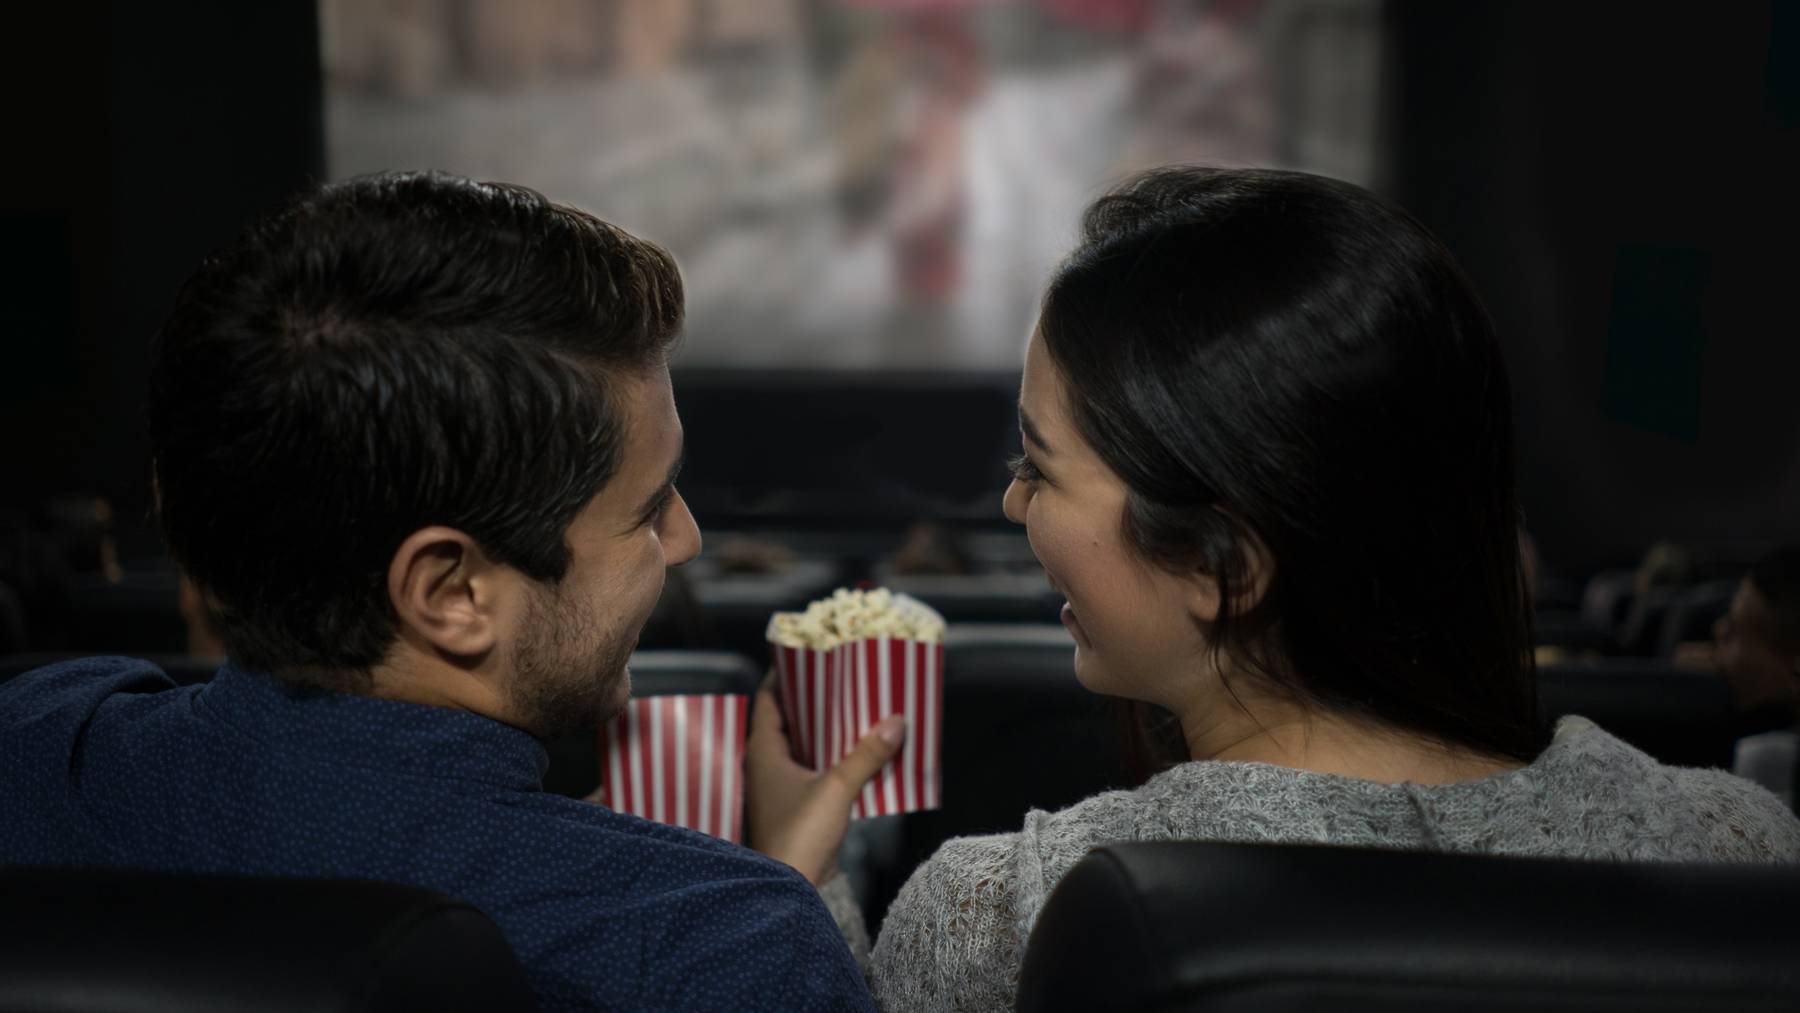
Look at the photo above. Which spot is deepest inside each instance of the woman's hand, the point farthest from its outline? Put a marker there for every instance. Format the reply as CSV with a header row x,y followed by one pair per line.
x,y
796,815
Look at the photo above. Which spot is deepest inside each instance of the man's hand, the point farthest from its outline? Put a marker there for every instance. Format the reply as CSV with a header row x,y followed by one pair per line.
x,y
798,816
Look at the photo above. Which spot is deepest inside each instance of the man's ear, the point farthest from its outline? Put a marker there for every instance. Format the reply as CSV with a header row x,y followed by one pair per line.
x,y
445,591
1248,588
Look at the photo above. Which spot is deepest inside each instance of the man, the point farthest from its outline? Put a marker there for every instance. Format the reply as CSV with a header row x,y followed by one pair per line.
x,y
414,443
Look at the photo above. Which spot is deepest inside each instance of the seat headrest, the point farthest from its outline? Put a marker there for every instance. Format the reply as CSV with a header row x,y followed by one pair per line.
x,y
112,941
1246,928
674,673
1679,716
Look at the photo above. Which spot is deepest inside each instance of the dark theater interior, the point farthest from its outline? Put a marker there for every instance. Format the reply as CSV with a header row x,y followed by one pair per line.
x,y
903,505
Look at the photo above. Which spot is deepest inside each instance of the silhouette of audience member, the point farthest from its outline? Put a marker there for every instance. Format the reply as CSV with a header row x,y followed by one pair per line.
x,y
80,531
1757,652
1757,643
41,582
414,444
1666,568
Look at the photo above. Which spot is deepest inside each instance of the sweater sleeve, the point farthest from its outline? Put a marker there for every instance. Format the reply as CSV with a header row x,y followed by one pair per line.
x,y
840,900
953,938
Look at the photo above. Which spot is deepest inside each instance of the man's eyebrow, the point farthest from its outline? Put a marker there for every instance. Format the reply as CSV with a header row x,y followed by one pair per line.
x,y
1031,432
655,500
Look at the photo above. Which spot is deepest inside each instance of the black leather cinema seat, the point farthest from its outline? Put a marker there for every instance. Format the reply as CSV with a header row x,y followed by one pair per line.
x,y
87,941
1224,928
185,669
1680,716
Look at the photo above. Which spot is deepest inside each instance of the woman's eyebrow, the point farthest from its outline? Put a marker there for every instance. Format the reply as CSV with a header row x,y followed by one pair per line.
x,y
1031,432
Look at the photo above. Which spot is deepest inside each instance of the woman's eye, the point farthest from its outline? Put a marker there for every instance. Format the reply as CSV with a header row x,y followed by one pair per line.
x,y
1024,470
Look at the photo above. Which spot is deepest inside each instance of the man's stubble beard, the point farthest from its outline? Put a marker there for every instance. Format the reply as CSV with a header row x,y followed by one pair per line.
x,y
568,673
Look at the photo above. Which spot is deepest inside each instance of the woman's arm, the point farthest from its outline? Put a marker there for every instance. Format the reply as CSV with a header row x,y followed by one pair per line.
x,y
954,938
840,900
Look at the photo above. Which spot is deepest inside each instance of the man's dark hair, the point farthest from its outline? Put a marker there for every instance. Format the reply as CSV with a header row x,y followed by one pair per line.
x,y
1281,358
386,353
1776,576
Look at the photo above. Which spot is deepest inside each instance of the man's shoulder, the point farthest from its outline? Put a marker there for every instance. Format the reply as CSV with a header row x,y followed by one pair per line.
x,y
69,691
705,923
678,854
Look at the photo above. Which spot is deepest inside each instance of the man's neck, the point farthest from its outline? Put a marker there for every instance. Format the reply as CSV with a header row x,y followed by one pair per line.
x,y
410,677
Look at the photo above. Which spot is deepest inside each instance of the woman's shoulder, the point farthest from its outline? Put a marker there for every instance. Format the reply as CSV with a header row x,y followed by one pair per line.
x,y
1633,804
1197,800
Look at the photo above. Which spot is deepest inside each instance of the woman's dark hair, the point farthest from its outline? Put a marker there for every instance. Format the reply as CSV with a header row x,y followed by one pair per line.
x,y
1280,359
387,353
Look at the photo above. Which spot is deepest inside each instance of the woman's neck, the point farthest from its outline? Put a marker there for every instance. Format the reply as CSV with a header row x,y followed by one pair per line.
x,y
1328,743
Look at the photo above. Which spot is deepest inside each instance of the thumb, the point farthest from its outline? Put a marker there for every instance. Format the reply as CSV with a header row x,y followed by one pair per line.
x,y
867,759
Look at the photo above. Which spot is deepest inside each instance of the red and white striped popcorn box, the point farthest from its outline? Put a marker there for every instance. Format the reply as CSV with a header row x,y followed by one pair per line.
x,y
678,760
831,698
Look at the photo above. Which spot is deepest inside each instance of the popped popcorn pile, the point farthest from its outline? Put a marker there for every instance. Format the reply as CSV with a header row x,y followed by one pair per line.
x,y
849,616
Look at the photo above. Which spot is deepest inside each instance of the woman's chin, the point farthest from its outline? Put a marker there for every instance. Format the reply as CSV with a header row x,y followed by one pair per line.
x,y
1087,669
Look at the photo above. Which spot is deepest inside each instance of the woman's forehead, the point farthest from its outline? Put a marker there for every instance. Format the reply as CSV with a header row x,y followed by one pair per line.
x,y
1041,391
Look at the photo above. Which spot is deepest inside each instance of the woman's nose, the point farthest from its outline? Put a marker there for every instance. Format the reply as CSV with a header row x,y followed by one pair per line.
x,y
1013,504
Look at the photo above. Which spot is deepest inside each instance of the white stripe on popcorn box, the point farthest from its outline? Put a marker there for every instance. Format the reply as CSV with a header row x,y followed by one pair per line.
x,y
675,759
831,698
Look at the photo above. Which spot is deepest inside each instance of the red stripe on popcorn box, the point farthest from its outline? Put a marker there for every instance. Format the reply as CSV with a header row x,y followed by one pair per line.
x,y
677,760
830,699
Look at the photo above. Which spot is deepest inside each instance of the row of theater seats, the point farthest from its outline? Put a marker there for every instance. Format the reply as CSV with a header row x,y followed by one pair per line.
x,y
1613,617
1021,733
1010,693
1145,928
723,600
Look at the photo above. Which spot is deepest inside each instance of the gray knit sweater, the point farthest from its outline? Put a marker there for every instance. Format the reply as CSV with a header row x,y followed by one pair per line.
x,y
954,936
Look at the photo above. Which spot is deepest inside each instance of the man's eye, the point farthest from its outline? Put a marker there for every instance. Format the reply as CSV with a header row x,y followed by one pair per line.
x,y
662,507
1024,469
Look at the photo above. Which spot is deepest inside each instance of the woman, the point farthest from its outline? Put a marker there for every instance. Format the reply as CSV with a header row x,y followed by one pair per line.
x,y
1268,459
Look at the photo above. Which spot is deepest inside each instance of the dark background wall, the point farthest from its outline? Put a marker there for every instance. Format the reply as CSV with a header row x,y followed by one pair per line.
x,y
1619,178
1623,182
139,137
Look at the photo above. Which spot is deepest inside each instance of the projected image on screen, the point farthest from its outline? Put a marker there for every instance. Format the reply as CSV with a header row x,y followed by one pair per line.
x,y
859,184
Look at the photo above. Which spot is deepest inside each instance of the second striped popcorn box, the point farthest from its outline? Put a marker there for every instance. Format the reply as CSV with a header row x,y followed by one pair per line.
x,y
678,760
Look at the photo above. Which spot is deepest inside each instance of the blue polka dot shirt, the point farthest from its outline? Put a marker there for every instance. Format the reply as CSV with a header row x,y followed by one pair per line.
x,y
106,762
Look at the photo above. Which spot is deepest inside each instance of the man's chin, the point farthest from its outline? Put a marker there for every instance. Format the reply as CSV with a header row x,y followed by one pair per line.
x,y
565,714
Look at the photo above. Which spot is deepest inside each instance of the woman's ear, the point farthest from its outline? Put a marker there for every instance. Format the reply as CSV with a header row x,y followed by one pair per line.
x,y
445,592
1249,585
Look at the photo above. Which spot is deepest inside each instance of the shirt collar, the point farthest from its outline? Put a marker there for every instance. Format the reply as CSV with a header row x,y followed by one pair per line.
x,y
361,731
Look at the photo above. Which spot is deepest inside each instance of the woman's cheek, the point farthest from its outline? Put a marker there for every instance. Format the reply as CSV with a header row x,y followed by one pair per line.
x,y
1050,540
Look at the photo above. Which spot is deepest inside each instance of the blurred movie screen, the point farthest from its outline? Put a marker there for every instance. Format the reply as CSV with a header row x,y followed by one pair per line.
x,y
849,184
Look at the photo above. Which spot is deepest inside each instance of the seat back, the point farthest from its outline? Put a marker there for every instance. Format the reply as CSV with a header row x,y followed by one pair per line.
x,y
114,941
1571,632
1606,599
1230,928
139,613
185,669
1019,733
12,620
1678,715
